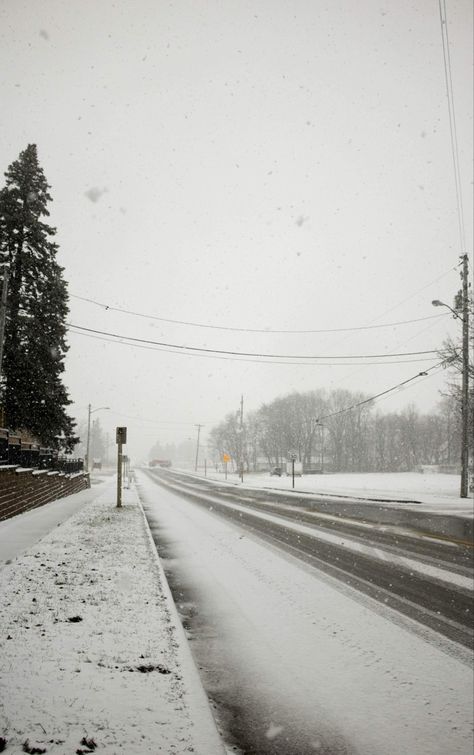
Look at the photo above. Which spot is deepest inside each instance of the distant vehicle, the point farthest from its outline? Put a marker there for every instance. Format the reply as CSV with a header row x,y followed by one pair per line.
x,y
160,463
96,463
298,468
276,472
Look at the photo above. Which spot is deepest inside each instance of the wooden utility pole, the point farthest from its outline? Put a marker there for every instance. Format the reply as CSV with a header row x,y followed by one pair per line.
x,y
465,382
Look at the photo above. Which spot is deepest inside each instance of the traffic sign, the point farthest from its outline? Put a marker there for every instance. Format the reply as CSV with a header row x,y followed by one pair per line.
x,y
121,435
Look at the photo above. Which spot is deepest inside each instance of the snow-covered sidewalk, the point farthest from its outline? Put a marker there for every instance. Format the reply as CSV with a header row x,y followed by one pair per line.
x,y
92,654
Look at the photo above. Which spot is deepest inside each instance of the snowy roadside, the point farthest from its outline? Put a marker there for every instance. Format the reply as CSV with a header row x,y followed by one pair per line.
x,y
93,656
437,493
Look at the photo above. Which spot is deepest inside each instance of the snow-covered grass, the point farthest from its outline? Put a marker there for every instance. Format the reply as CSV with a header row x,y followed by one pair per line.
x,y
439,490
91,647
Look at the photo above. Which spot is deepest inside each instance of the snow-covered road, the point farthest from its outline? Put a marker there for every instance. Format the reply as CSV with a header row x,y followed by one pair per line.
x,y
297,662
431,492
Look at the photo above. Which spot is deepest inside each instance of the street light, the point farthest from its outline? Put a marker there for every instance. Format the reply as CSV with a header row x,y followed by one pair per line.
x,y
438,303
465,380
91,411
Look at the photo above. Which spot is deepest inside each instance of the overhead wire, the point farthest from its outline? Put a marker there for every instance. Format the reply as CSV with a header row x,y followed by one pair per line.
x,y
191,349
436,370
404,342
190,323
124,342
382,393
452,119
418,291
153,421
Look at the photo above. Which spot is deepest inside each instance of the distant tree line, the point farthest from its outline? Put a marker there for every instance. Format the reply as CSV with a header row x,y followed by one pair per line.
x,y
360,440
317,428
179,453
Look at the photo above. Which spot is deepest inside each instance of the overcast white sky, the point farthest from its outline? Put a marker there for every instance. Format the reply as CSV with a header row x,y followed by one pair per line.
x,y
281,164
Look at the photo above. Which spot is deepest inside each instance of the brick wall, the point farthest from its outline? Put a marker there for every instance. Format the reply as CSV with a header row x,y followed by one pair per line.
x,y
24,489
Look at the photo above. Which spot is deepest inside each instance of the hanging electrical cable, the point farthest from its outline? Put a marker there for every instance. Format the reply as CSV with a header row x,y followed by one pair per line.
x,y
382,393
124,342
189,323
452,120
182,347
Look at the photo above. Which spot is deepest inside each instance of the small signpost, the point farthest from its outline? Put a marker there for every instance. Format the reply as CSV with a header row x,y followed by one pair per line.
x,y
293,459
120,439
225,459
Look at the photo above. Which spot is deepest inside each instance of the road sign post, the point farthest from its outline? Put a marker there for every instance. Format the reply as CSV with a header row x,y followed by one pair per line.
x,y
120,439
293,459
225,459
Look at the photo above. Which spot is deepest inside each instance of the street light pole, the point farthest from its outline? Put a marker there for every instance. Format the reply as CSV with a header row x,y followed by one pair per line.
x,y
89,412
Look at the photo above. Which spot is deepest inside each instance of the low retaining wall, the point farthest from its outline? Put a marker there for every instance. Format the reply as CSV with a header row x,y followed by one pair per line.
x,y
24,489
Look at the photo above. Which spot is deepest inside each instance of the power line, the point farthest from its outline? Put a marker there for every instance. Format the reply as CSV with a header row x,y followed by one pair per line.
x,y
418,291
249,330
405,341
202,349
382,393
423,378
254,361
452,119
153,421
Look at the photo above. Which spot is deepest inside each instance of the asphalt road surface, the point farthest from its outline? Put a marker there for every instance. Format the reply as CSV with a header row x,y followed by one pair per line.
x,y
423,582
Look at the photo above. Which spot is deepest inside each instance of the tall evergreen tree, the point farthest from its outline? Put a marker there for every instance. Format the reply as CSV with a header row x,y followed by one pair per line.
x,y
33,395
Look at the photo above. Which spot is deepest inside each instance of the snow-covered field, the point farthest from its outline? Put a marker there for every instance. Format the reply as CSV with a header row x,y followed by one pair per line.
x,y
91,648
440,490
